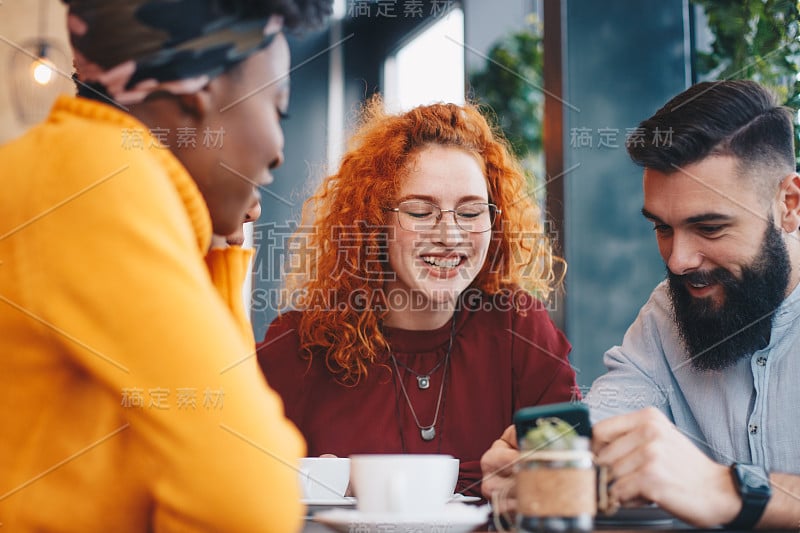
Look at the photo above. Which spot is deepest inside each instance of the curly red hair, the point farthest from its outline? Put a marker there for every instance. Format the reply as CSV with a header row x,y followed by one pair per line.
x,y
351,204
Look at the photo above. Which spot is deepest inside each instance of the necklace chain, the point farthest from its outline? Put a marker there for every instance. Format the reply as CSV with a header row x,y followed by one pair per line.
x,y
423,379
427,432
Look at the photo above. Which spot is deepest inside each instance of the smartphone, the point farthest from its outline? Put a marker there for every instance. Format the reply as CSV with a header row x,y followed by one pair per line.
x,y
575,414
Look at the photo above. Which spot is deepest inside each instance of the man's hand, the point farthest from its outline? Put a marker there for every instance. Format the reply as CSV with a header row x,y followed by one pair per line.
x,y
497,466
650,460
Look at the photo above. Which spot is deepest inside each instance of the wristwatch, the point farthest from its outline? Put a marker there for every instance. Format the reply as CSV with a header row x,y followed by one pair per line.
x,y
752,482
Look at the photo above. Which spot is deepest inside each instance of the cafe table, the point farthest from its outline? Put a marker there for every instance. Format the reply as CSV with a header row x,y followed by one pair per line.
x,y
311,526
314,527
627,520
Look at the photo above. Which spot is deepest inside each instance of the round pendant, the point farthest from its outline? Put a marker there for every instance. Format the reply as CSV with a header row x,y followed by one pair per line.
x,y
423,382
428,433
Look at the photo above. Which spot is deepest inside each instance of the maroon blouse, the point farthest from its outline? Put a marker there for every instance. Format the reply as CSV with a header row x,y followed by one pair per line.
x,y
501,360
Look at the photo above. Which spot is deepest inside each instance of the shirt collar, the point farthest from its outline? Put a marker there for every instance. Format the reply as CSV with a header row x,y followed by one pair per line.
x,y
789,309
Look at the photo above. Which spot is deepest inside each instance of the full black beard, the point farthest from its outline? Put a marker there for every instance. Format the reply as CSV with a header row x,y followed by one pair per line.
x,y
717,338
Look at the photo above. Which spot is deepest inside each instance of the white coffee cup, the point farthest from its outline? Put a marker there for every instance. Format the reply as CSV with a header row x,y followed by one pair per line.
x,y
324,478
410,484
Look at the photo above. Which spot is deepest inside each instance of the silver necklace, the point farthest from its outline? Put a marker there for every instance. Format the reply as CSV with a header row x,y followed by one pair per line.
x,y
428,433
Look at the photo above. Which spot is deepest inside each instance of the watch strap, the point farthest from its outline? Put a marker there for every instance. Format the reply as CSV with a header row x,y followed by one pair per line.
x,y
752,482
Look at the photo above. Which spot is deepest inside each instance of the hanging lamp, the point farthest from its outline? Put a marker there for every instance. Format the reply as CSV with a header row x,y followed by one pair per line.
x,y
40,70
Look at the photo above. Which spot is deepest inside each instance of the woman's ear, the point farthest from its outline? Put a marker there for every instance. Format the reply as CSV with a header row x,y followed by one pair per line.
x,y
197,105
789,203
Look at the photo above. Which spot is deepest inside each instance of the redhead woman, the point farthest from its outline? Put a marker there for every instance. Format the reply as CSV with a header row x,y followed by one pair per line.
x,y
417,324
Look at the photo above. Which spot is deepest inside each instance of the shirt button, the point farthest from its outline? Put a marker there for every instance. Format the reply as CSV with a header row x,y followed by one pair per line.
x,y
761,361
753,429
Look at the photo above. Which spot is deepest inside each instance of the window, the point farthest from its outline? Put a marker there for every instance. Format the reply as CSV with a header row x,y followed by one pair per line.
x,y
428,69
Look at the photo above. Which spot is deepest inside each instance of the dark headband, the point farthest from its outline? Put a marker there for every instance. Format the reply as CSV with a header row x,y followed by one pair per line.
x,y
128,49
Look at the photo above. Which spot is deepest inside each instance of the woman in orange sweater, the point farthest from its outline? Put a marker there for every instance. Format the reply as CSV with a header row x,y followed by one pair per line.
x,y
129,394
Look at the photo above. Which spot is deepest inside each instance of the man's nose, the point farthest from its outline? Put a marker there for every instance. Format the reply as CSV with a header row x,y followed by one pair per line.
x,y
683,254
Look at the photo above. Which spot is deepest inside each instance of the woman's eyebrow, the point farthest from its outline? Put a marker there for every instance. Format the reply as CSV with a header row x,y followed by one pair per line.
x,y
434,200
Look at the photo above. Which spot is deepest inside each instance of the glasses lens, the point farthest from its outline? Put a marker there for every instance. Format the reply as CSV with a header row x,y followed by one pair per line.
x,y
476,218
416,215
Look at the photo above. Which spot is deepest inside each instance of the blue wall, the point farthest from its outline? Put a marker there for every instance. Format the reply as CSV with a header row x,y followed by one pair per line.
x,y
622,61
306,143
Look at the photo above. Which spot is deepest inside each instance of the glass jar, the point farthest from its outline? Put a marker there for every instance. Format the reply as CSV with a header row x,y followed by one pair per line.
x,y
557,489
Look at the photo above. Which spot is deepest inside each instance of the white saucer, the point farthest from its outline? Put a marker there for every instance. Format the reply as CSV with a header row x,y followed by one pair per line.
x,y
460,498
344,501
349,501
454,518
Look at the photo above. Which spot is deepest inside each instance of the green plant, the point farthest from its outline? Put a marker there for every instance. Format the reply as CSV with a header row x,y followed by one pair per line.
x,y
757,40
511,85
550,434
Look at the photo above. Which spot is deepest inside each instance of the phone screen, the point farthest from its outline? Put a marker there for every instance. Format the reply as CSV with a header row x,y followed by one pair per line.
x,y
575,414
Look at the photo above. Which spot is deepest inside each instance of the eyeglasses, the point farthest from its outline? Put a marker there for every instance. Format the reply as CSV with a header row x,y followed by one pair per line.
x,y
419,215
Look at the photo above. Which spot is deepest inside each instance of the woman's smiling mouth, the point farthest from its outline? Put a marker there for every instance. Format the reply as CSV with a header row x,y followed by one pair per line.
x,y
443,262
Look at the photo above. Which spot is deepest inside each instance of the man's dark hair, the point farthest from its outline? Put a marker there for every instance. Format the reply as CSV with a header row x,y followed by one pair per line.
x,y
733,117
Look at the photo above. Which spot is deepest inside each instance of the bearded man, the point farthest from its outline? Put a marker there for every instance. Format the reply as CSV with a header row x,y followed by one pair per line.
x,y
696,412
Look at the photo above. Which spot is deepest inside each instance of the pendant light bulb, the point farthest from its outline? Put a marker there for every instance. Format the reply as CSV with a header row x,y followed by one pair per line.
x,y
42,71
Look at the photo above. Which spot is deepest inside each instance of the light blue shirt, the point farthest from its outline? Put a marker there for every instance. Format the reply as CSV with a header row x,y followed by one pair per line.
x,y
747,413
